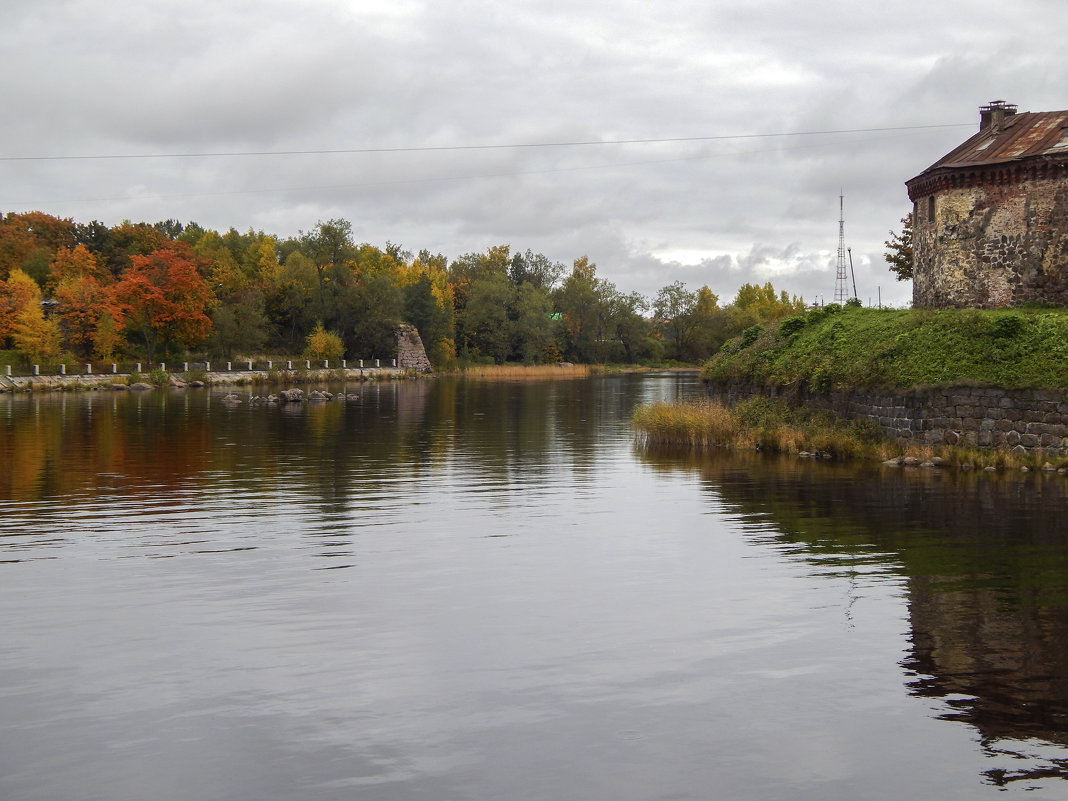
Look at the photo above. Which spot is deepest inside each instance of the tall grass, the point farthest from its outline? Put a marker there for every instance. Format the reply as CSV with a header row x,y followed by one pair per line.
x,y
519,372
758,423
775,427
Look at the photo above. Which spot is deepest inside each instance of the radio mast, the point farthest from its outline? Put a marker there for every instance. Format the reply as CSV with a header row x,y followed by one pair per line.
x,y
841,280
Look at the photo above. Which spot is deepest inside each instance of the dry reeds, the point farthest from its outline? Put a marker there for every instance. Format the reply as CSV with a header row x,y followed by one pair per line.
x,y
520,372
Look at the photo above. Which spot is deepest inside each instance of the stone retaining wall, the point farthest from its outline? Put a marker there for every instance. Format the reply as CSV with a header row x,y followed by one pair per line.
x,y
1019,420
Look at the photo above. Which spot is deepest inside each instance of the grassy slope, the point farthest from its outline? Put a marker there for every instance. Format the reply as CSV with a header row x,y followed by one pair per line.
x,y
854,347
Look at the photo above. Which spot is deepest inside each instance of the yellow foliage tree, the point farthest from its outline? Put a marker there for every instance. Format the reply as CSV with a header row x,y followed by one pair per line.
x,y
17,292
38,339
322,344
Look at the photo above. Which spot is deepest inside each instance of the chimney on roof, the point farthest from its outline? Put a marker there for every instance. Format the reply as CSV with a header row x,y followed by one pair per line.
x,y
994,113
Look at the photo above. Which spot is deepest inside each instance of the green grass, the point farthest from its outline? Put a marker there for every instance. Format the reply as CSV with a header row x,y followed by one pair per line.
x,y
837,347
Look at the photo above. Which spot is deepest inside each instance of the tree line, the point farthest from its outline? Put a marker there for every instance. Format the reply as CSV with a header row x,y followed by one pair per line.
x,y
71,291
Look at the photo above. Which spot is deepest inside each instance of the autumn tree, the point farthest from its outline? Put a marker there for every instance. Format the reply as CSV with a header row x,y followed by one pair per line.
x,y
899,253
36,337
322,344
82,301
18,291
164,299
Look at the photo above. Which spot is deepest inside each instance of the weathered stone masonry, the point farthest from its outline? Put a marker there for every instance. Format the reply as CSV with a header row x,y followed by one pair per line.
x,y
1017,420
990,219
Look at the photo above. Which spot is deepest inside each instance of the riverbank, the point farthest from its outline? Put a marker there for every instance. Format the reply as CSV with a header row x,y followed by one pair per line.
x,y
195,378
774,426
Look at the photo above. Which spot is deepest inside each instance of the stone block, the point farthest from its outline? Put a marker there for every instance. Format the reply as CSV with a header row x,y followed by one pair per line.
x,y
1012,438
1030,440
985,439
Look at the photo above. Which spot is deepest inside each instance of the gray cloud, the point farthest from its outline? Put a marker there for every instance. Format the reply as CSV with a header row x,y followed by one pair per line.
x,y
196,76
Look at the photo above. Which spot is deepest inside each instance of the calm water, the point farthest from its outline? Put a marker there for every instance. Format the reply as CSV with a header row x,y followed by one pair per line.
x,y
452,590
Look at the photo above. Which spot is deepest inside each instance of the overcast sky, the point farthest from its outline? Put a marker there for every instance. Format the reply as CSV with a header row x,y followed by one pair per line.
x,y
747,88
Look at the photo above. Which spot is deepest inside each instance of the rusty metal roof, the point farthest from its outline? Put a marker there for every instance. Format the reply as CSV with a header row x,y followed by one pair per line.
x,y
1020,136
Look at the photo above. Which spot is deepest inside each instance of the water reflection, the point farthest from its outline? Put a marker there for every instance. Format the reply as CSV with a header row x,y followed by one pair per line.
x,y
985,563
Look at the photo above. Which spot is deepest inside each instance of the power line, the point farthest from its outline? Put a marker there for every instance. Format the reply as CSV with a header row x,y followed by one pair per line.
x,y
419,180
449,148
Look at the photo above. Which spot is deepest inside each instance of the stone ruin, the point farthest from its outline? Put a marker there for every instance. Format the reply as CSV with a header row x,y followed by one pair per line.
x,y
411,355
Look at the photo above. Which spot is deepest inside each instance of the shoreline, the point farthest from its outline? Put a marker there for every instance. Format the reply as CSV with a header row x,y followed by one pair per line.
x,y
123,381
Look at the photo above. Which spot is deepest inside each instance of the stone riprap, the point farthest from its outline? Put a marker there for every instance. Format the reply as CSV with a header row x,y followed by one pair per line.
x,y
1018,420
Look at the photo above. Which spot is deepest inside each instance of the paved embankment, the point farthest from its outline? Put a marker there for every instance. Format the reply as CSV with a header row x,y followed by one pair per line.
x,y
97,381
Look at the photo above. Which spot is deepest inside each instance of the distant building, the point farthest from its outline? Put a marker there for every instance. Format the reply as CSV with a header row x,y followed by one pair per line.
x,y
990,219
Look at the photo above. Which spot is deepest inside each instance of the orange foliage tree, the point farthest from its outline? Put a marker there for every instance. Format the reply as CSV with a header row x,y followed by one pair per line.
x,y
163,298
82,304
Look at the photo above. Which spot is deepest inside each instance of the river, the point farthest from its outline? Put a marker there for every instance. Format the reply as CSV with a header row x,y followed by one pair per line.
x,y
450,589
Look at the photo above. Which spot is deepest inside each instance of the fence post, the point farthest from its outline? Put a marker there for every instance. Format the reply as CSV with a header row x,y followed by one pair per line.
x,y
207,367
114,368
138,370
163,366
63,369
250,366
270,365
344,364
89,369
307,364
7,370
394,362
378,362
37,369
361,363
228,367
326,364
289,364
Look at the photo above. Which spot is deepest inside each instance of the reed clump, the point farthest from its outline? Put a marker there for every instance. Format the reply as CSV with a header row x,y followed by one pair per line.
x,y
532,372
770,425
760,424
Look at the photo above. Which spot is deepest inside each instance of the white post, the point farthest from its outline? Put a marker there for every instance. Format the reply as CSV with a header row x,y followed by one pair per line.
x,y
270,365
63,369
88,369
361,363
207,367
250,366
228,367
394,362
185,367
378,362
326,364
289,365
163,367
37,369
138,370
344,364
307,364
114,368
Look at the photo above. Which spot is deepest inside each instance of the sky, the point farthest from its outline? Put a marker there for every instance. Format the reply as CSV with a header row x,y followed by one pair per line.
x,y
703,141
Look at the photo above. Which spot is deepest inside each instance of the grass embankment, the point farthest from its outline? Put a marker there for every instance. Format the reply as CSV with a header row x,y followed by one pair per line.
x,y
844,348
836,347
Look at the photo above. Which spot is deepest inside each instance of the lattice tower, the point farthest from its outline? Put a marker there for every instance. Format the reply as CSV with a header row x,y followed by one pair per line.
x,y
841,280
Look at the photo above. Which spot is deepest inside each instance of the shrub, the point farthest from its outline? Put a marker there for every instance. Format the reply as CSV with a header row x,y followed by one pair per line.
x,y
791,326
749,335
